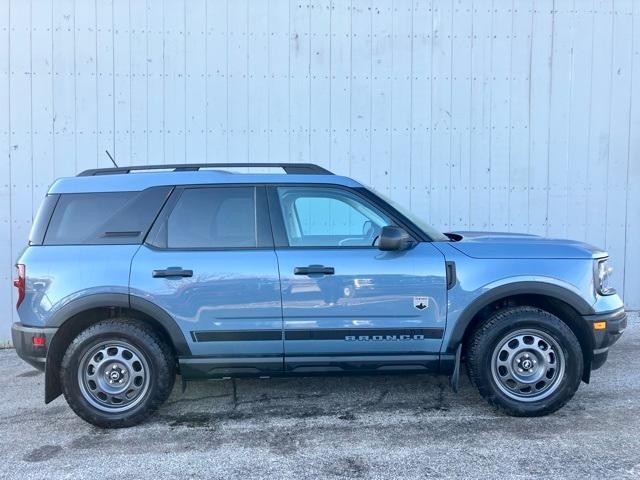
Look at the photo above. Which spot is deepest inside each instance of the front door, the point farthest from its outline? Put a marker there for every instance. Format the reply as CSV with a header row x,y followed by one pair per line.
x,y
209,263
347,306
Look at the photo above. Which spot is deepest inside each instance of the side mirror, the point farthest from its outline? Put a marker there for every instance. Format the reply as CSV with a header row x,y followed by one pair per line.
x,y
394,238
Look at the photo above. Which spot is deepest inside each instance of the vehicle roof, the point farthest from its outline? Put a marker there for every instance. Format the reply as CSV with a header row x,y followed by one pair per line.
x,y
142,180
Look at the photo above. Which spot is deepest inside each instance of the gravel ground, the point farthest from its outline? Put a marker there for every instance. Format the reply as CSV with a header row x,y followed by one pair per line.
x,y
317,428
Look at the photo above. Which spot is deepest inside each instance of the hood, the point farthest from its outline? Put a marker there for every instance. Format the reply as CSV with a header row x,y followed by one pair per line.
x,y
521,245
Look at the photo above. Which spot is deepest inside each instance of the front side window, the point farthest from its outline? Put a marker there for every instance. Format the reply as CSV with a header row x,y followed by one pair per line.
x,y
329,217
215,217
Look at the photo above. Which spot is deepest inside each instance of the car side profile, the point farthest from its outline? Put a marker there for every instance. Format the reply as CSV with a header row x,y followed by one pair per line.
x,y
133,275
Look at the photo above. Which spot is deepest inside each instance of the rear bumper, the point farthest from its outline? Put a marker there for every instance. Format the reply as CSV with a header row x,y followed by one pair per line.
x,y
603,338
22,336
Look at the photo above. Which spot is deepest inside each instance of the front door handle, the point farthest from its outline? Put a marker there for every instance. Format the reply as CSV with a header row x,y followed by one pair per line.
x,y
172,272
311,269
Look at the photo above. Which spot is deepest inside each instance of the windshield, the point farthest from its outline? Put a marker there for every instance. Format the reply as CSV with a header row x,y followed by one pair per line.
x,y
433,234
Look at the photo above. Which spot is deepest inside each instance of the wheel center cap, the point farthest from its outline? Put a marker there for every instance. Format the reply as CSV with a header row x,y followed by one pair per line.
x,y
527,364
115,375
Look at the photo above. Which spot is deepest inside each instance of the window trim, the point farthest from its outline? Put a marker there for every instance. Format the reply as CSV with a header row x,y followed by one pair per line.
x,y
264,236
281,239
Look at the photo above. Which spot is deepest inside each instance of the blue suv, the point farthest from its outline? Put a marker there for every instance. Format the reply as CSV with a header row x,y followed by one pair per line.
x,y
133,275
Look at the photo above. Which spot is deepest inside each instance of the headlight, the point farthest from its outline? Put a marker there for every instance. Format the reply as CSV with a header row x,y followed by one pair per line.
x,y
602,274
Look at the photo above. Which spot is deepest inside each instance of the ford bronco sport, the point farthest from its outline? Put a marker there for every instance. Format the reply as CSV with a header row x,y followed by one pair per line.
x,y
135,274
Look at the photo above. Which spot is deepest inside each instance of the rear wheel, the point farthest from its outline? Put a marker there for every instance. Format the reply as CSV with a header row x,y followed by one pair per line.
x,y
116,373
525,361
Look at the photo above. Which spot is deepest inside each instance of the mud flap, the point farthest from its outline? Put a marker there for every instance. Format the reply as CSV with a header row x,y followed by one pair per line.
x,y
455,375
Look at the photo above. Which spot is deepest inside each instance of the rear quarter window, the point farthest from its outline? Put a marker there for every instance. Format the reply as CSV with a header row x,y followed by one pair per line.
x,y
104,218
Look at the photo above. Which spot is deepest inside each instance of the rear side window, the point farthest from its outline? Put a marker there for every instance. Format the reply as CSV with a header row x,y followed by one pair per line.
x,y
211,217
104,217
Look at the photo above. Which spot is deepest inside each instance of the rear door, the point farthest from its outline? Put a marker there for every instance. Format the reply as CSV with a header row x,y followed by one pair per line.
x,y
348,306
209,262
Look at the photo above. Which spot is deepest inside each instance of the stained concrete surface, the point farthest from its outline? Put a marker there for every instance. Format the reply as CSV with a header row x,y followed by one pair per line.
x,y
327,428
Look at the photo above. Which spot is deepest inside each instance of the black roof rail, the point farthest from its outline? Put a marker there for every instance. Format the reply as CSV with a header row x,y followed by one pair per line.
x,y
289,168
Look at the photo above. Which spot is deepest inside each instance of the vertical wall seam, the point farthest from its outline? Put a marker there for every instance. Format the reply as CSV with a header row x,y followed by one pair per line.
x,y
113,77
390,178
567,188
491,107
164,103
10,149
330,84
529,144
206,81
509,186
95,31
611,68
226,156
553,16
53,95
350,157
75,93
411,108
472,42
627,191
146,64
130,91
371,84
31,103
588,173
451,117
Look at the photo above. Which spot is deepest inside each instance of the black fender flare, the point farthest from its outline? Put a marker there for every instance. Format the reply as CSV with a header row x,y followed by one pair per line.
x,y
56,349
516,288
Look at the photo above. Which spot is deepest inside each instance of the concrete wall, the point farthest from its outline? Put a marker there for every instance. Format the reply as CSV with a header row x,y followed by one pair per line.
x,y
519,116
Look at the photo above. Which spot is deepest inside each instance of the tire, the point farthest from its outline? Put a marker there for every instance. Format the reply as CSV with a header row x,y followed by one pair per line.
x,y
116,373
525,361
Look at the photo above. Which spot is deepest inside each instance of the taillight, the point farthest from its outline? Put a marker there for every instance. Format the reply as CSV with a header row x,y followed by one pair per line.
x,y
20,283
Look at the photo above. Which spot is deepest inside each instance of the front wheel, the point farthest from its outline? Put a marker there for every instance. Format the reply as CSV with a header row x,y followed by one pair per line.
x,y
116,373
525,361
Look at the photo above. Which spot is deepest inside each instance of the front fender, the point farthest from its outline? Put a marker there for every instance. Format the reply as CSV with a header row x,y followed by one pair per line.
x,y
458,320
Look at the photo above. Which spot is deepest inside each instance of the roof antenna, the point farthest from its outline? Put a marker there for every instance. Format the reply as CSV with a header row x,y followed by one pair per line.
x,y
111,158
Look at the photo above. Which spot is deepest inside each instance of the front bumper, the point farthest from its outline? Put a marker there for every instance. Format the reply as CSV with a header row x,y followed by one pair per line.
x,y
33,354
615,323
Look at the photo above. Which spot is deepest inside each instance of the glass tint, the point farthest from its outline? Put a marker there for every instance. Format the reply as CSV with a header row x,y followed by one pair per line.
x,y
220,217
104,218
325,216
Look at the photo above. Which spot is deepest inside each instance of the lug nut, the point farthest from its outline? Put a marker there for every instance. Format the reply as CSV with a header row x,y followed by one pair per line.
x,y
520,370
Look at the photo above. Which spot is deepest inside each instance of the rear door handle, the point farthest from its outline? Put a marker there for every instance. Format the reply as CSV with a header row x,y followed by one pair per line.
x,y
172,272
321,269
